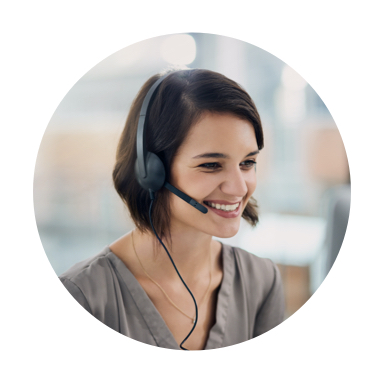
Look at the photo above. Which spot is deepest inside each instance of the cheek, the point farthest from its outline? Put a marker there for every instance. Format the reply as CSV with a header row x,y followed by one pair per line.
x,y
197,184
251,182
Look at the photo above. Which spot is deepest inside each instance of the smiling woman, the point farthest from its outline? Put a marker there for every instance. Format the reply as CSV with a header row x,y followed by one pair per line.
x,y
207,132
225,185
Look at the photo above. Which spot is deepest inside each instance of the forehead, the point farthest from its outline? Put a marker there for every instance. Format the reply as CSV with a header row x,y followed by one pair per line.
x,y
219,133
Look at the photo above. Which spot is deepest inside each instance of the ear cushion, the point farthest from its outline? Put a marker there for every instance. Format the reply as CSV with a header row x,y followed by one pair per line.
x,y
155,173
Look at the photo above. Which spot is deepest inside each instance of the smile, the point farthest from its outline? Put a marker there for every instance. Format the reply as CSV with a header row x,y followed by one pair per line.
x,y
223,207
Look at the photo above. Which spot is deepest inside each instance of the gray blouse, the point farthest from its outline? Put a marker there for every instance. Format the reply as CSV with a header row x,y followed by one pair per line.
x,y
250,299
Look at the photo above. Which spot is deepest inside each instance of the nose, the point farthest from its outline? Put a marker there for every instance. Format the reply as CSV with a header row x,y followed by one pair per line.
x,y
234,183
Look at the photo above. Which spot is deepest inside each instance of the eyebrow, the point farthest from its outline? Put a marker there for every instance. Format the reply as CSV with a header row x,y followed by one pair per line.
x,y
217,155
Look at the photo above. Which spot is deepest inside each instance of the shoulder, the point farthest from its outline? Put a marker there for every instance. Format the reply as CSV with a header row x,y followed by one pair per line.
x,y
89,276
252,264
90,268
256,272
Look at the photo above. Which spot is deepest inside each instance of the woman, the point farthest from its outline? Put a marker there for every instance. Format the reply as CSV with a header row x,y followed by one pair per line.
x,y
207,132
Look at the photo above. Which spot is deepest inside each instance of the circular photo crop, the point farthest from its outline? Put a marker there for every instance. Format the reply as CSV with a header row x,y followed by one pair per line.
x,y
192,191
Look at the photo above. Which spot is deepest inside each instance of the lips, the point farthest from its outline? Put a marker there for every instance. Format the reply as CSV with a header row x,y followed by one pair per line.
x,y
220,208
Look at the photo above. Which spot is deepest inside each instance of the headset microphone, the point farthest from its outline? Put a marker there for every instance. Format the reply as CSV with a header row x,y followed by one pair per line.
x,y
150,174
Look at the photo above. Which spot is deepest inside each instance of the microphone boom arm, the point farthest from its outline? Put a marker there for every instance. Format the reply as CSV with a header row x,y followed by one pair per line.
x,y
186,198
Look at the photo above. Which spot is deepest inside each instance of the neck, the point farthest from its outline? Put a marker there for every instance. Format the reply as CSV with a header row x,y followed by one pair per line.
x,y
191,253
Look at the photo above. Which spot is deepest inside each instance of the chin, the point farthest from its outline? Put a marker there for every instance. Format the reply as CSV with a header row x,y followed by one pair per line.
x,y
225,233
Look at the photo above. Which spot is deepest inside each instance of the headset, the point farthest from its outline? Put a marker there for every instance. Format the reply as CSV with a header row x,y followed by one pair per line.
x,y
150,174
149,169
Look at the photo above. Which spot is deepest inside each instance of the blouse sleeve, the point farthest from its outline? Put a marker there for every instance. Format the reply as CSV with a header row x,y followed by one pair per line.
x,y
76,292
271,312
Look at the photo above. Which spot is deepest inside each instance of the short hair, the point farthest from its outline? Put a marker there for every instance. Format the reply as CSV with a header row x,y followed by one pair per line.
x,y
181,99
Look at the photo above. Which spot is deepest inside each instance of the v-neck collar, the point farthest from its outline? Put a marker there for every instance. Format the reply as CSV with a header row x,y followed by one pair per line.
x,y
154,321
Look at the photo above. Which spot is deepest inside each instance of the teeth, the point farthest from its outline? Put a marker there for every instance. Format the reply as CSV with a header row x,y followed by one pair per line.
x,y
223,207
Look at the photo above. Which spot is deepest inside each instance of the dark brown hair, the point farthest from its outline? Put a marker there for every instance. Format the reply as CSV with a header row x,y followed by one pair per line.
x,y
181,100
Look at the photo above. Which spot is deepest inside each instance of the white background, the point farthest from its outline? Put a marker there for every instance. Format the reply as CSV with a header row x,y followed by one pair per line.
x,y
336,336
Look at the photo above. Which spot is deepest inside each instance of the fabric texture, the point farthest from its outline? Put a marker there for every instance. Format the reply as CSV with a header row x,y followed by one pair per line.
x,y
250,299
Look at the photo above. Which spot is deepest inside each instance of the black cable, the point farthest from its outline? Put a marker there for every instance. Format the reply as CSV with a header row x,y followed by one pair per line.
x,y
152,195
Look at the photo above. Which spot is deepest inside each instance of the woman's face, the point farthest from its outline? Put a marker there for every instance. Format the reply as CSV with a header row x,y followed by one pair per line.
x,y
215,165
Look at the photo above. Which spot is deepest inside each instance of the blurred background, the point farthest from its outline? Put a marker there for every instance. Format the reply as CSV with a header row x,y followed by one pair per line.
x,y
303,177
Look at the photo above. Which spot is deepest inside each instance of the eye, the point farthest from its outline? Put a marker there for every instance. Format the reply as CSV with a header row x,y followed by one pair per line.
x,y
210,166
248,164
